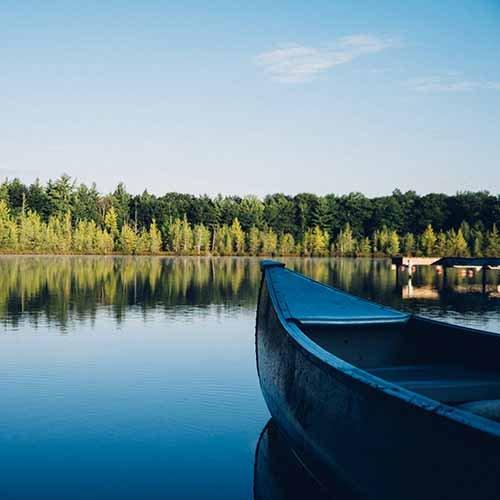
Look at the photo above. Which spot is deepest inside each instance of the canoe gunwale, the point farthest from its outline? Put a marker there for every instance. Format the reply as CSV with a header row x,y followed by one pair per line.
x,y
346,321
336,366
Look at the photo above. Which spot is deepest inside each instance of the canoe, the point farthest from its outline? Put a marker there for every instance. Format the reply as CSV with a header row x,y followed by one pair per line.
x,y
389,404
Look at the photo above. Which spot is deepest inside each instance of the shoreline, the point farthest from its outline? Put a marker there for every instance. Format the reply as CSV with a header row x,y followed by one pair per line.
x,y
172,254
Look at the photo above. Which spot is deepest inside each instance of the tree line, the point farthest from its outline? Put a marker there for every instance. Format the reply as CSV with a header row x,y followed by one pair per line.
x,y
63,217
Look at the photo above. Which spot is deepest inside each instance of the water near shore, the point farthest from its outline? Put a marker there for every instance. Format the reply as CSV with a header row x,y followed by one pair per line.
x,y
135,377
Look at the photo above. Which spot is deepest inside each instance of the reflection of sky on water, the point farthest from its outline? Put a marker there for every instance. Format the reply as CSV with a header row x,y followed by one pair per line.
x,y
135,378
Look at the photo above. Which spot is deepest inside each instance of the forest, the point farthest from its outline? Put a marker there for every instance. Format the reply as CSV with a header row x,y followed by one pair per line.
x,y
63,217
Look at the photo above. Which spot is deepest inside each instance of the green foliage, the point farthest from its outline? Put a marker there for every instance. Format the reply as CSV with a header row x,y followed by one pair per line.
x,y
315,242
31,232
127,240
428,241
201,239
155,242
111,223
456,244
409,244
224,240
238,238
441,244
493,243
269,242
50,218
345,244
286,244
254,241
393,243
180,236
364,248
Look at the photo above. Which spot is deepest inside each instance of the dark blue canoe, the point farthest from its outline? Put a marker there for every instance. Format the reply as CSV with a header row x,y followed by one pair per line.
x,y
392,405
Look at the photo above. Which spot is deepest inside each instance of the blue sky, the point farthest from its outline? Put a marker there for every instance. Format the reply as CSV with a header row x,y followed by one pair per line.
x,y
253,97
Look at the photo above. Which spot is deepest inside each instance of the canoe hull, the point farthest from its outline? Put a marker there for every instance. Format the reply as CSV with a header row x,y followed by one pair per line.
x,y
349,432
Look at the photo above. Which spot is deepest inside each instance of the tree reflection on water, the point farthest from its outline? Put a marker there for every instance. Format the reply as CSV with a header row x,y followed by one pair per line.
x,y
60,290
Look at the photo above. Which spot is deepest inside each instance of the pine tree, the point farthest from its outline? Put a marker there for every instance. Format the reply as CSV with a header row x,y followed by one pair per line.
x,y
111,223
393,244
462,248
456,244
238,237
409,244
128,240
428,241
286,244
442,244
381,241
155,242
493,243
103,242
345,244
224,241
8,229
364,248
315,242
201,238
180,236
254,241
143,243
477,245
31,232
174,235
186,236
269,242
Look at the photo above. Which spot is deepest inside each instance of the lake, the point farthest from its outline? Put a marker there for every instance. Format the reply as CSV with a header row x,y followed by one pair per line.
x,y
128,377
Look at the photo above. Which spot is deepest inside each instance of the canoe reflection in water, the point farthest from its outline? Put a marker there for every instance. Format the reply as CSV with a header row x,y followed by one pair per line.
x,y
280,475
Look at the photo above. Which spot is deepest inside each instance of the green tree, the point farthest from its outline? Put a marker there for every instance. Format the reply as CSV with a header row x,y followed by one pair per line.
x,y
315,242
493,242
128,240
254,241
409,244
104,243
428,241
456,244
31,232
269,242
201,238
155,243
442,244
111,223
345,244
60,195
181,236
393,244
238,237
120,200
364,247
8,229
286,244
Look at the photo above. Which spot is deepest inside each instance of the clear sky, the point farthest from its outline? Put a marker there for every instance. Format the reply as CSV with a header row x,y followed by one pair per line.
x,y
252,97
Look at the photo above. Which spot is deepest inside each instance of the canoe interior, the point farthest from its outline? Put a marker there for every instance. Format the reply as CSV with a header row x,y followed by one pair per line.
x,y
446,363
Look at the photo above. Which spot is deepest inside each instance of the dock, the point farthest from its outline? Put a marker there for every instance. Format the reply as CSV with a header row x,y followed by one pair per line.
x,y
469,262
411,263
472,264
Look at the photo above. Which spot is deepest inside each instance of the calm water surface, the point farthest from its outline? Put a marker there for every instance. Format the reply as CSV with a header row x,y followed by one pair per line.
x,y
135,377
